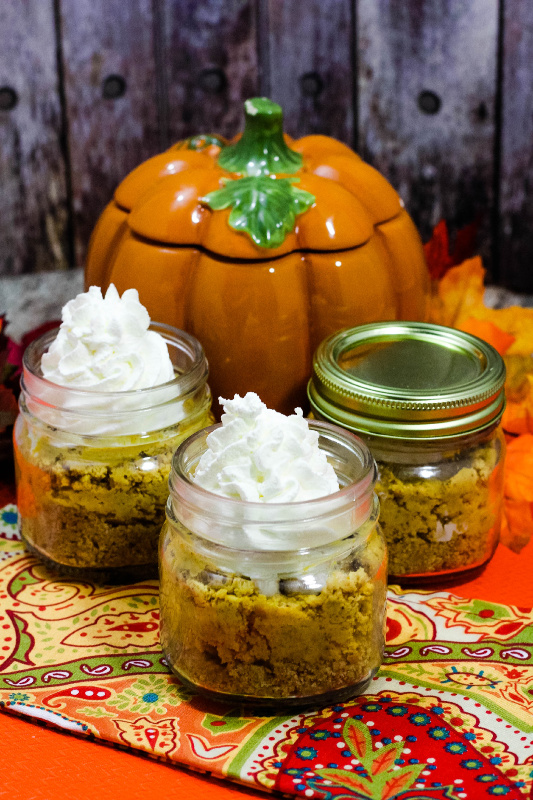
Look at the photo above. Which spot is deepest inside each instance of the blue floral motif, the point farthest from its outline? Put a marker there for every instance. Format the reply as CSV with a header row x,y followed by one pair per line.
x,y
457,748
150,697
419,719
19,697
438,710
498,790
396,711
306,753
371,707
296,773
438,733
471,763
495,760
486,778
469,736
318,736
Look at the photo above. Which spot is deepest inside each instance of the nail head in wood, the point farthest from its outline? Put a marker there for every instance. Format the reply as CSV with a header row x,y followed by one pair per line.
x,y
113,87
429,102
311,84
8,98
213,80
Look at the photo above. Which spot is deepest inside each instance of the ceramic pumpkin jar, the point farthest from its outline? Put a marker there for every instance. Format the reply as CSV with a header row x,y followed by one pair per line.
x,y
261,247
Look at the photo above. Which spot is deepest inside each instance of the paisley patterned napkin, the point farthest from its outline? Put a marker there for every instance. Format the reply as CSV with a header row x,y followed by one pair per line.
x,y
450,714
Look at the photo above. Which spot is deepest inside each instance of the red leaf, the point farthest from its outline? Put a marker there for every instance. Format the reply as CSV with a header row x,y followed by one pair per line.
x,y
8,404
384,760
465,241
437,251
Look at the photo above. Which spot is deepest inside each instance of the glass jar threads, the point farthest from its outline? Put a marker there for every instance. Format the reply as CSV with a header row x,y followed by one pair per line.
x,y
427,400
274,603
92,467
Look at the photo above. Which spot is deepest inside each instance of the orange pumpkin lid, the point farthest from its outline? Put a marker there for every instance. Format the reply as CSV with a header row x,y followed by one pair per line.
x,y
260,196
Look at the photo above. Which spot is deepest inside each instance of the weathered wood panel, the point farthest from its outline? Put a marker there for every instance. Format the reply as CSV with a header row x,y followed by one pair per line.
x,y
33,195
311,66
210,49
515,250
427,85
111,99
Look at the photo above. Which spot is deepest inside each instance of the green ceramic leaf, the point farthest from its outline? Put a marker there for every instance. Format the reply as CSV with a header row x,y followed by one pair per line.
x,y
263,207
200,142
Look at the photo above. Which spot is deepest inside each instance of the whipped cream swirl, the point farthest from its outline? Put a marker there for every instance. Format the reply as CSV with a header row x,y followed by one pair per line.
x,y
260,455
104,344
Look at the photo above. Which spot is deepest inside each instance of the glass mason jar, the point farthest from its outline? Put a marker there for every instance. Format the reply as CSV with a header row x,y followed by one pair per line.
x,y
92,467
274,603
427,400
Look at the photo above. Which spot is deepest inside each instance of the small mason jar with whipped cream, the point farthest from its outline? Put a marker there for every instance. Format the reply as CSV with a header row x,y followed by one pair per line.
x,y
272,563
104,403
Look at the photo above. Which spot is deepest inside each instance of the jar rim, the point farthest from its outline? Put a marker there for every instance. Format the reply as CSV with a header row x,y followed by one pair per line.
x,y
31,362
179,475
407,380
131,412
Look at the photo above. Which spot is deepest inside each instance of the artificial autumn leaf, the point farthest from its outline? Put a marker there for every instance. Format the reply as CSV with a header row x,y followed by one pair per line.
x,y
8,403
489,332
517,524
262,206
465,241
515,320
519,469
437,252
459,294
518,415
8,408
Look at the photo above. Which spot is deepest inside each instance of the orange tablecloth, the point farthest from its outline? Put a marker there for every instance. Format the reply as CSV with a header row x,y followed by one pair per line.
x,y
57,766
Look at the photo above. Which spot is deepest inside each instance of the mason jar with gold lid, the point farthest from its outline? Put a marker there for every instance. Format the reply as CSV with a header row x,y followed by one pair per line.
x,y
428,401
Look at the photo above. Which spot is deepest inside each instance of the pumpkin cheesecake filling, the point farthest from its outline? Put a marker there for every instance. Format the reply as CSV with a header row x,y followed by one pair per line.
x,y
101,510
449,522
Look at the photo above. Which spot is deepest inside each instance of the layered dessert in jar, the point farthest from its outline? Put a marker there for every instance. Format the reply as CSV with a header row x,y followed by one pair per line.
x,y
105,401
428,401
272,562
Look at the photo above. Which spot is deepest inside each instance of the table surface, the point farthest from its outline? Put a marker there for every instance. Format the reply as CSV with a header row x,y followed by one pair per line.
x,y
60,766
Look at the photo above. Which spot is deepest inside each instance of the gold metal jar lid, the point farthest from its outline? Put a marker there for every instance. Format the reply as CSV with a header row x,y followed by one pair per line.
x,y
407,380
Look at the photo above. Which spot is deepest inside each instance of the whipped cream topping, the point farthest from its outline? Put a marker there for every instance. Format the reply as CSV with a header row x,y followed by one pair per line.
x,y
260,455
104,344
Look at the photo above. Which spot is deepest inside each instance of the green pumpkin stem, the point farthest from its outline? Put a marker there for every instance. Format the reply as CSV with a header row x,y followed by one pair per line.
x,y
261,150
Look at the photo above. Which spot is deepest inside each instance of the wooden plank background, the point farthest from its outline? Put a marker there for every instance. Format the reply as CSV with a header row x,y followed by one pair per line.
x,y
437,94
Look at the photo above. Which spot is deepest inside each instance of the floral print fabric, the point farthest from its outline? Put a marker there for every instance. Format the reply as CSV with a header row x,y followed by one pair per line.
x,y
450,714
